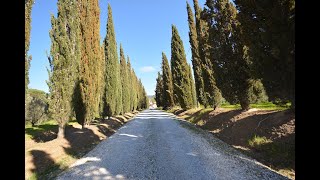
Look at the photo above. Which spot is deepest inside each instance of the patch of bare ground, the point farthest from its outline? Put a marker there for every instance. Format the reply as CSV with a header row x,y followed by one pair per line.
x,y
46,156
272,131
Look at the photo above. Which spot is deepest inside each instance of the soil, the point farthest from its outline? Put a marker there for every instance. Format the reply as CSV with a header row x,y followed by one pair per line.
x,y
46,156
236,127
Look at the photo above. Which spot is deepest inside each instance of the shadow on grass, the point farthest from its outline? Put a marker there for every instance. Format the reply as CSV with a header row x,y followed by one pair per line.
x,y
44,164
42,133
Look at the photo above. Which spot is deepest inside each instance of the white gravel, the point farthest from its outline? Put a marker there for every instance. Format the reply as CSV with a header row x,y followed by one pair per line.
x,y
155,145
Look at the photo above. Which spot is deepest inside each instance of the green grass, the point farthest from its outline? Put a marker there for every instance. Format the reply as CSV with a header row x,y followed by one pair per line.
x,y
50,125
258,141
263,106
199,116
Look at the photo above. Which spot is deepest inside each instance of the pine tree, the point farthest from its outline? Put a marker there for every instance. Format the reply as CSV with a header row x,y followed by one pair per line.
x,y
64,59
111,74
196,61
159,90
124,82
193,90
269,33
28,9
179,68
212,92
86,92
167,83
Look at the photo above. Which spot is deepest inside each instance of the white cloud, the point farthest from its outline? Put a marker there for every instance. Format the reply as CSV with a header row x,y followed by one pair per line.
x,y
147,69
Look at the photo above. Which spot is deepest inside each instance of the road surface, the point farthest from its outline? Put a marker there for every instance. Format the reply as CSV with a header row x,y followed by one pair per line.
x,y
155,145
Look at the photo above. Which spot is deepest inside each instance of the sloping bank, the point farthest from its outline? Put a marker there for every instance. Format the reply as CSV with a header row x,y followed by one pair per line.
x,y
265,135
46,156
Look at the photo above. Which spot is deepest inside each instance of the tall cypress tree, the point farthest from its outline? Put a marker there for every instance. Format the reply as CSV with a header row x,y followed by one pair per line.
x,y
130,84
167,83
159,90
179,68
269,33
124,82
134,90
103,84
111,80
28,9
196,61
86,92
212,92
63,60
193,89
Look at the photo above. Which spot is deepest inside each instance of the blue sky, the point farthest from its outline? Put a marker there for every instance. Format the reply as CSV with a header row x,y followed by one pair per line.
x,y
142,26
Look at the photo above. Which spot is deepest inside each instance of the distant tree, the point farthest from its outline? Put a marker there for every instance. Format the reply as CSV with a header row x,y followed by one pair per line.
x,y
64,59
37,109
212,92
196,61
167,83
180,72
269,33
28,9
111,70
159,91
124,82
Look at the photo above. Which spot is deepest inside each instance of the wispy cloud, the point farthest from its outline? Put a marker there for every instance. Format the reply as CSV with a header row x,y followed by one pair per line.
x,y
147,69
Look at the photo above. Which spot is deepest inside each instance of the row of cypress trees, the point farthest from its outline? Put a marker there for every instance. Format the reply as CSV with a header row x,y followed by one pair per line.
x,y
243,53
175,86
86,79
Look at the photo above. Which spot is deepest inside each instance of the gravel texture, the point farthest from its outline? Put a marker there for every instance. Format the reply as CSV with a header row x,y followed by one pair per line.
x,y
156,145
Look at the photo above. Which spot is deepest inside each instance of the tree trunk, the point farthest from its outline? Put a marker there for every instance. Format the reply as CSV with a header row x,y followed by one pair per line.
x,y
61,131
245,105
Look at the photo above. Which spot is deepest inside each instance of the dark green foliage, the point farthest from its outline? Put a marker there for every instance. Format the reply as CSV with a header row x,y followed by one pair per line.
x,y
129,71
212,93
229,56
111,70
63,60
196,61
28,8
159,91
269,32
180,72
87,95
124,82
193,90
167,83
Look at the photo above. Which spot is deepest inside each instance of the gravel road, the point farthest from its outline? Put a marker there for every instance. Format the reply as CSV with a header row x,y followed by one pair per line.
x,y
155,145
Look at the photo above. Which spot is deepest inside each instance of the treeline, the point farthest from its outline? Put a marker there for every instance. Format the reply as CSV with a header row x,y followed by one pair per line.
x,y
243,52
86,79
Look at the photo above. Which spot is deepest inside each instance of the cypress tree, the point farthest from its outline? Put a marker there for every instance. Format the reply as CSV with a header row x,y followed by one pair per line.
x,y
193,90
196,61
102,79
159,90
64,59
124,82
28,8
130,86
111,74
167,83
134,90
180,72
86,92
212,92
269,33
